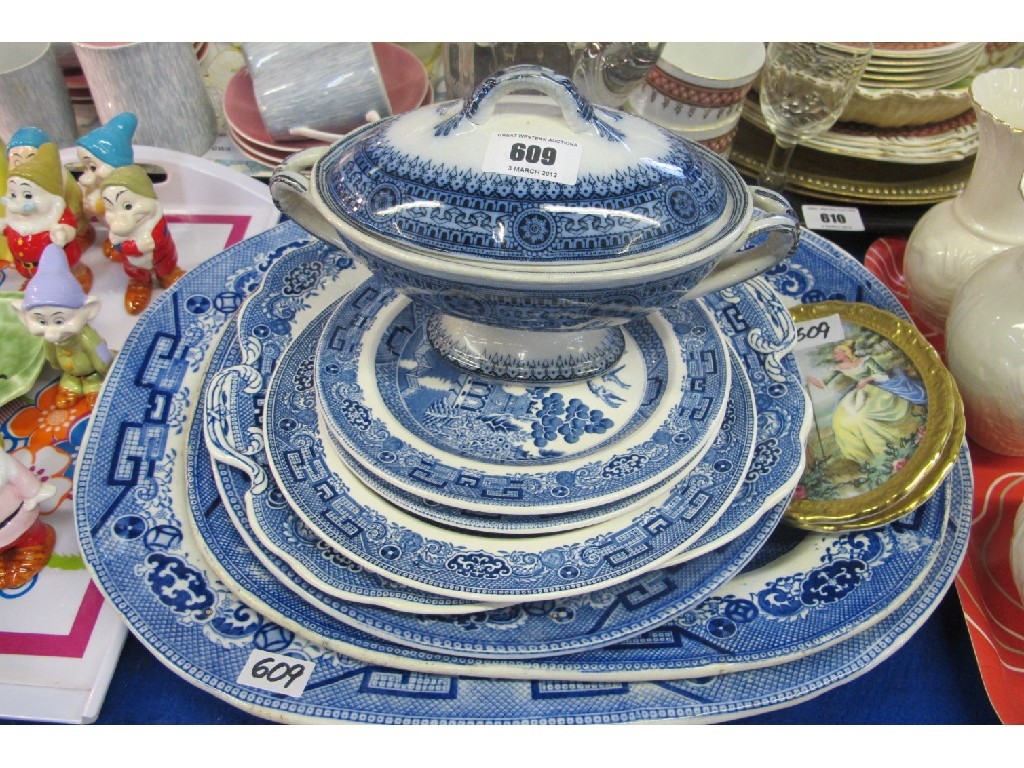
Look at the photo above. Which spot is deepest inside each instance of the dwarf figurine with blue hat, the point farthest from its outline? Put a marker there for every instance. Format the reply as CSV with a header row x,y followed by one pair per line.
x,y
56,309
24,145
140,234
102,150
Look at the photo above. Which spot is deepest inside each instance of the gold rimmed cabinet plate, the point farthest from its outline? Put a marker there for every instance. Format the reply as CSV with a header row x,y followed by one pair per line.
x,y
888,420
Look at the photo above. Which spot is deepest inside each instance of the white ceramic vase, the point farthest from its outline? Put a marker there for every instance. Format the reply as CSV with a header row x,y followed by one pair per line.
x,y
956,236
985,351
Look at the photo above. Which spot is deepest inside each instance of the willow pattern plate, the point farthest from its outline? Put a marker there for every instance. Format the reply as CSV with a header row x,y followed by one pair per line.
x,y
558,447
464,564
801,594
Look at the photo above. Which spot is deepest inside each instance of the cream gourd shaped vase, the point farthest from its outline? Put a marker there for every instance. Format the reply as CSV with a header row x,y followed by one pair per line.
x,y
956,236
985,351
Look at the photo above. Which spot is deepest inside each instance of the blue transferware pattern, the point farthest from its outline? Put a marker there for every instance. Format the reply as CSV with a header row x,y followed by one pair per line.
x,y
495,422
639,189
762,331
514,460
353,474
619,613
293,291
458,563
760,327
122,542
801,593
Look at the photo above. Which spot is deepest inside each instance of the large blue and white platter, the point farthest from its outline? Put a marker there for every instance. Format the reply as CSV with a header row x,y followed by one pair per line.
x,y
144,559
804,593
417,422
458,563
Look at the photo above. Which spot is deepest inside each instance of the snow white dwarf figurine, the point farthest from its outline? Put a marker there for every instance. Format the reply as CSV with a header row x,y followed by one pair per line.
x,y
26,542
100,151
38,215
57,309
24,145
140,235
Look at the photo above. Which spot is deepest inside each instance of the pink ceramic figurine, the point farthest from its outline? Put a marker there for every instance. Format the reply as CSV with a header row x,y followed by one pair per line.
x,y
57,309
26,542
140,235
38,215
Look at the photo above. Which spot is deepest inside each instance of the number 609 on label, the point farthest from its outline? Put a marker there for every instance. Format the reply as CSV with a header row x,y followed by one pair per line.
x,y
276,673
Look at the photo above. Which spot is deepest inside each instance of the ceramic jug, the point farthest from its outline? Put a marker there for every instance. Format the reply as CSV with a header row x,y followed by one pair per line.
x,y
985,351
956,236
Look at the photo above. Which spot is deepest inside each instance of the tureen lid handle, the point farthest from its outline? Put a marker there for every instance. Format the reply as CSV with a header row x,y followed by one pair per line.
x,y
578,113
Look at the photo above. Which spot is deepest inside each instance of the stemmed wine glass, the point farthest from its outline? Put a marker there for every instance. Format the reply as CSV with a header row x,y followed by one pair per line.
x,y
804,89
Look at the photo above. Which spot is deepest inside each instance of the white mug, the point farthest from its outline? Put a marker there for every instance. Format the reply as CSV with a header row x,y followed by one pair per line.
x,y
160,83
33,93
316,88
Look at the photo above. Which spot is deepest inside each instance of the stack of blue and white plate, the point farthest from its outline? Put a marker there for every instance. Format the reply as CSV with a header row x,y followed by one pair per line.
x,y
547,488
305,476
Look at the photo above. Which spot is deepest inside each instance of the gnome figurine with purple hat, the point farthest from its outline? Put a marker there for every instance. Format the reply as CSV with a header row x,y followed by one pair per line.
x,y
56,309
100,151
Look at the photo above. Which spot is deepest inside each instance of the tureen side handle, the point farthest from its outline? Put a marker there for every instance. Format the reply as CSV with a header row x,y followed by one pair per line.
x,y
290,189
776,235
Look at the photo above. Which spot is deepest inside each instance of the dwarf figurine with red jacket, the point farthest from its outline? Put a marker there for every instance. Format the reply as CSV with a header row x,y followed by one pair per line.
x,y
38,215
24,144
139,234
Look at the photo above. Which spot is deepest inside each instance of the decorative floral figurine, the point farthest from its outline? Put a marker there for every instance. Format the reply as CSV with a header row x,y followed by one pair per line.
x,y
37,215
24,145
57,309
140,235
101,151
26,542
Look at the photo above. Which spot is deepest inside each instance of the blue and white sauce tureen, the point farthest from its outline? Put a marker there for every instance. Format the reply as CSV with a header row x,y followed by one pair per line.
x,y
535,223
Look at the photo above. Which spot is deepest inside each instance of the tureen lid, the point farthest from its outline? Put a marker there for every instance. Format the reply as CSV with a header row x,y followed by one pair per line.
x,y
530,179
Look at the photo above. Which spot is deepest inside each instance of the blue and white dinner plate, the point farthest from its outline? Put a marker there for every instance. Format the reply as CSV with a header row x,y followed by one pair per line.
x,y
403,412
144,561
465,564
758,325
297,286
802,594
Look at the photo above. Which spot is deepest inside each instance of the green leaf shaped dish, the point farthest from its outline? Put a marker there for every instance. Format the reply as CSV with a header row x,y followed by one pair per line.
x,y
21,354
